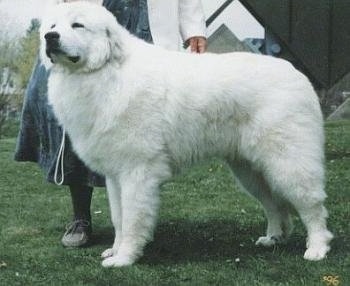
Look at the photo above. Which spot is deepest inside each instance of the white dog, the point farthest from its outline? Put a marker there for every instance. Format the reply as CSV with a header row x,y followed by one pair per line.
x,y
136,113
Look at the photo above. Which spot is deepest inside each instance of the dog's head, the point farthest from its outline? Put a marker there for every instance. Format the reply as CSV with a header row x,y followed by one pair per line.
x,y
80,36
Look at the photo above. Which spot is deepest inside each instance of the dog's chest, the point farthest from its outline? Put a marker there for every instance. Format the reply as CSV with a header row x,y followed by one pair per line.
x,y
97,125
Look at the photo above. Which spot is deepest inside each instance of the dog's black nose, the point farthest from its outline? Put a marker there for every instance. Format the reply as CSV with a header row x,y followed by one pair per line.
x,y
52,36
52,43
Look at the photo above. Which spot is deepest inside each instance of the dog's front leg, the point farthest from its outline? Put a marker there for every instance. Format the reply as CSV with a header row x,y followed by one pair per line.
x,y
115,205
140,200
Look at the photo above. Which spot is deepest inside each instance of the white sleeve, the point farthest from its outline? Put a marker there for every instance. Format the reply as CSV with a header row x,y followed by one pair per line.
x,y
191,19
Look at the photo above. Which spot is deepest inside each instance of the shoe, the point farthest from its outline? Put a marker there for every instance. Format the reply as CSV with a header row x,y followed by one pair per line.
x,y
78,233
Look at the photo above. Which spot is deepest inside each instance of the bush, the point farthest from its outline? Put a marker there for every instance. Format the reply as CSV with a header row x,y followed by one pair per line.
x,y
16,64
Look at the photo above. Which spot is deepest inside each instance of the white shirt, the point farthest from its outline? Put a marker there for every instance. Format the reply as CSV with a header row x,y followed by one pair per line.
x,y
172,22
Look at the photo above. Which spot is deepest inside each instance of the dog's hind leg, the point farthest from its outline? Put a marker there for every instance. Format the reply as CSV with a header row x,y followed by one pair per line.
x,y
114,198
314,218
279,222
139,200
300,181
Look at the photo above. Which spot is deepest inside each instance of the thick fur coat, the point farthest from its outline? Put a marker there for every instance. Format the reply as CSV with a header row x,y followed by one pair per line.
x,y
137,113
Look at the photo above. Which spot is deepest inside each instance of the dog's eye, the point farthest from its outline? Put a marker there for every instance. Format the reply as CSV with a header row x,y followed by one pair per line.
x,y
77,25
53,26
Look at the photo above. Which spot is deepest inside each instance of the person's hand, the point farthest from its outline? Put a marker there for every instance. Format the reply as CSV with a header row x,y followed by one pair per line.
x,y
198,44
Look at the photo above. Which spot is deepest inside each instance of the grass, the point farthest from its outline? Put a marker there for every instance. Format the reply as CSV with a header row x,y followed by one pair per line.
x,y
205,235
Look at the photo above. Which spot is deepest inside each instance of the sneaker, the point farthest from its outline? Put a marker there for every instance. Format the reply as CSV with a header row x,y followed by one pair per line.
x,y
77,234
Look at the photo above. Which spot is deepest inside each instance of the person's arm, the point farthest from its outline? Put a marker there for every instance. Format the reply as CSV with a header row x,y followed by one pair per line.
x,y
192,24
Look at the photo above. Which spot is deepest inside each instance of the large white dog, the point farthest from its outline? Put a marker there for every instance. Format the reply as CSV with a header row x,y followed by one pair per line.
x,y
136,113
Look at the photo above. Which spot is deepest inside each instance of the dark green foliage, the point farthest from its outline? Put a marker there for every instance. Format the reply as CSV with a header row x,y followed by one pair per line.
x,y
17,58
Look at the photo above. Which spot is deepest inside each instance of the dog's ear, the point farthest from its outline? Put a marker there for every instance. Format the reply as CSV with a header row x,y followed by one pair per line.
x,y
114,33
109,46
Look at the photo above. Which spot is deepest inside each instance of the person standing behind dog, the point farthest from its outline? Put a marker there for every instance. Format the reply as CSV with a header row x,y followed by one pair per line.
x,y
167,23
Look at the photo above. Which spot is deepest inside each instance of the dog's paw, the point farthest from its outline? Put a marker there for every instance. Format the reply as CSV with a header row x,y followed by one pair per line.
x,y
316,253
318,245
268,241
117,261
108,253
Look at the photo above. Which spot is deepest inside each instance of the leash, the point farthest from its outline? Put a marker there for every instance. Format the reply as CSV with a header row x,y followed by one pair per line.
x,y
60,160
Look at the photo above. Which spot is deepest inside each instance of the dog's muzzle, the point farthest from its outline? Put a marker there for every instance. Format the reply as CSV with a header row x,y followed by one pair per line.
x,y
53,46
52,43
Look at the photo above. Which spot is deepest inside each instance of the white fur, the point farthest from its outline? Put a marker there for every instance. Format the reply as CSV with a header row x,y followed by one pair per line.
x,y
136,113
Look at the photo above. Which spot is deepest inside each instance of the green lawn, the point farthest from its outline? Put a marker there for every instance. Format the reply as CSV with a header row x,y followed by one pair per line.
x,y
205,234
